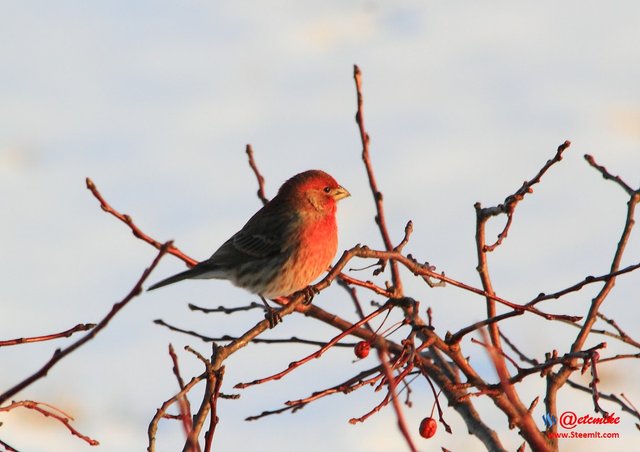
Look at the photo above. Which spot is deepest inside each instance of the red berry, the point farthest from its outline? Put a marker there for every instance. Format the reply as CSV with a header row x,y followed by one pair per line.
x,y
362,349
428,427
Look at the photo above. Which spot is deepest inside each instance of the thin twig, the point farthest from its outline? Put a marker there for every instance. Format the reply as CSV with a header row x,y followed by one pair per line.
x,y
183,402
160,412
295,364
225,310
522,356
626,407
61,353
48,337
214,383
579,285
354,297
7,447
391,383
511,201
254,167
527,426
53,412
594,384
256,340
377,195
607,175
137,232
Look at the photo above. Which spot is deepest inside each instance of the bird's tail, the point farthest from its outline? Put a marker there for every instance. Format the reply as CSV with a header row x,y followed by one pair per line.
x,y
194,272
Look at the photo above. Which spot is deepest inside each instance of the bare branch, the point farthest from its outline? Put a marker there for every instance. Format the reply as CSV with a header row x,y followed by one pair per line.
x,y
607,175
511,201
254,167
256,340
391,383
61,353
53,412
48,337
183,402
377,195
292,366
137,232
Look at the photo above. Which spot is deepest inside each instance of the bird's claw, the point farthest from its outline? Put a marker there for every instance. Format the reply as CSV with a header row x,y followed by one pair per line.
x,y
309,292
273,316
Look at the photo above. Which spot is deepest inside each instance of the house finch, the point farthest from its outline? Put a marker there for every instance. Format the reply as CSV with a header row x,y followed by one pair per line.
x,y
283,247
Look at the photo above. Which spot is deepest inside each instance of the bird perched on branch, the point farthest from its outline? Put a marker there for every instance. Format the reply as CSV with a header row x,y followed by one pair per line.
x,y
284,246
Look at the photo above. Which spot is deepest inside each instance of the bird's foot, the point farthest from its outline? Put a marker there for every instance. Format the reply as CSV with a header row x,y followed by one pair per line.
x,y
271,314
309,292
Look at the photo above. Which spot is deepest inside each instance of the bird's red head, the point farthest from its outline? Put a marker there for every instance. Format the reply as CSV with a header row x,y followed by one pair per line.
x,y
315,189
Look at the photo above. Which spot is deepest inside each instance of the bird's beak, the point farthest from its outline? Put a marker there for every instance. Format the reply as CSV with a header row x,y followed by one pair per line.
x,y
340,193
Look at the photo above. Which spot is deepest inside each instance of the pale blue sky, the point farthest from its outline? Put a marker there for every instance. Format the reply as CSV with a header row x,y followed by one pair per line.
x,y
156,100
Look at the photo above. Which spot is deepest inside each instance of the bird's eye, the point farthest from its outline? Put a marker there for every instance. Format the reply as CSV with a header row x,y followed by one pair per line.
x,y
327,189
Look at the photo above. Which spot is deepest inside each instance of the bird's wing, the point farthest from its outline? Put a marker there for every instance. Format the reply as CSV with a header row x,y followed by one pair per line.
x,y
256,245
246,245
263,236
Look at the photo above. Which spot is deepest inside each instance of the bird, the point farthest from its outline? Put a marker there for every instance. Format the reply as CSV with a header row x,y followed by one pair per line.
x,y
284,246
